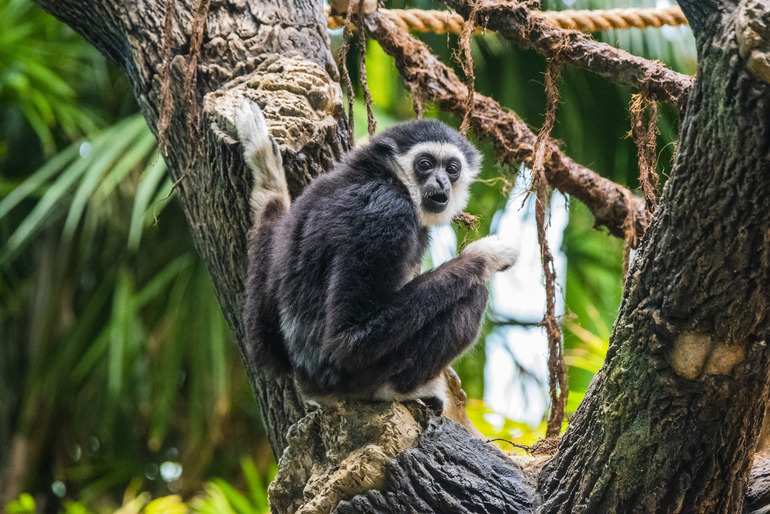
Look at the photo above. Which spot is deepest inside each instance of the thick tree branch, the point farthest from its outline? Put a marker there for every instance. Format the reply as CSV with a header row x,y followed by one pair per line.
x,y
529,29
380,458
610,203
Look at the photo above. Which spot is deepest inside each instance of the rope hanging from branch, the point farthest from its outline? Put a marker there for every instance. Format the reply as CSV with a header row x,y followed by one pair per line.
x,y
465,58
371,121
645,132
446,22
557,377
341,57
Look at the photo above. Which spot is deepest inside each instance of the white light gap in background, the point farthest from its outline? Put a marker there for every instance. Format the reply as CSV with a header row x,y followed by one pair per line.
x,y
519,294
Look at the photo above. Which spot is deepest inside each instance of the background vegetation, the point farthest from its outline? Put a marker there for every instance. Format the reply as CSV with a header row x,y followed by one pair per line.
x,y
119,381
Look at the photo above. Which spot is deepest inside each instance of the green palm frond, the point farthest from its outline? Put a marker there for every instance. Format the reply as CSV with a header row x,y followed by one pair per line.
x,y
39,59
86,173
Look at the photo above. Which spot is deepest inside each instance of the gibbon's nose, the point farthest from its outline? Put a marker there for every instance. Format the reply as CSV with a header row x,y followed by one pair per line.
x,y
435,199
443,182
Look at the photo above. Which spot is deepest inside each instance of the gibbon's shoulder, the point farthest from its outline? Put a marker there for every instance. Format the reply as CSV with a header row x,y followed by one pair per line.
x,y
369,216
360,194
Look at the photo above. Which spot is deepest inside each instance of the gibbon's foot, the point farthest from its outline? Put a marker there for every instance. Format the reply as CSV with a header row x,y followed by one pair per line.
x,y
262,155
435,404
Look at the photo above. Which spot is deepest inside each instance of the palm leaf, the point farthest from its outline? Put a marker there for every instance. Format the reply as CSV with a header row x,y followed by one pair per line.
x,y
116,140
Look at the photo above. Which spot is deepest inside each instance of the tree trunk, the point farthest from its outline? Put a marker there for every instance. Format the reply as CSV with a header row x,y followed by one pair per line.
x,y
275,52
671,421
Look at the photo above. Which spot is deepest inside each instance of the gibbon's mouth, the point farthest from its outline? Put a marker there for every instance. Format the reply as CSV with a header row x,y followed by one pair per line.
x,y
436,201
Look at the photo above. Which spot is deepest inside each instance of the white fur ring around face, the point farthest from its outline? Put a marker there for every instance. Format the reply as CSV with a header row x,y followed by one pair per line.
x,y
500,254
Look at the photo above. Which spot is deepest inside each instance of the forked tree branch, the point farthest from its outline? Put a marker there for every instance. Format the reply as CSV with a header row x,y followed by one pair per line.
x,y
529,29
611,204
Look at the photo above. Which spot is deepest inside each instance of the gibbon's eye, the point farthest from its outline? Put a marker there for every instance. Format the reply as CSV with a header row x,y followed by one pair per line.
x,y
423,164
453,169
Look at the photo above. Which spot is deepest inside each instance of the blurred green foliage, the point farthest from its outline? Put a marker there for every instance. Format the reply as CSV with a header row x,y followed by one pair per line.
x,y
218,497
119,381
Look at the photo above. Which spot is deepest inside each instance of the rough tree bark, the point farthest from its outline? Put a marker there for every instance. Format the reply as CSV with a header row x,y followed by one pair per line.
x,y
672,419
669,424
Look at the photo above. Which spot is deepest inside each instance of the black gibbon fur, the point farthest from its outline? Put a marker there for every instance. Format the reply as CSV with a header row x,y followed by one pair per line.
x,y
334,291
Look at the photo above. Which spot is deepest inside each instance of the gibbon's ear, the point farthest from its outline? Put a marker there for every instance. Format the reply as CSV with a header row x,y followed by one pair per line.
x,y
385,146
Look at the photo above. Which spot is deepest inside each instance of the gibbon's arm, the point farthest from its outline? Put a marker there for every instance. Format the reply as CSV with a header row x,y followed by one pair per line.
x,y
437,314
440,341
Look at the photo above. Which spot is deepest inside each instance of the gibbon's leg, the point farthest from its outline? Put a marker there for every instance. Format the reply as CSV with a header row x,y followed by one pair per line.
x,y
455,330
426,380
427,323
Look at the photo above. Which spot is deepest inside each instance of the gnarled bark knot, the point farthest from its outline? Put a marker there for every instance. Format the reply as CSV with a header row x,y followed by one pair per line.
x,y
302,105
696,355
752,28
336,453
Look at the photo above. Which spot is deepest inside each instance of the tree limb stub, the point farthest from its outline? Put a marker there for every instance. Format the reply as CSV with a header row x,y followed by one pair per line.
x,y
446,471
610,203
339,452
529,29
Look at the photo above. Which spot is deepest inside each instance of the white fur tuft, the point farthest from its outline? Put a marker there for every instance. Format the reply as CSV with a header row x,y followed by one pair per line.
x,y
262,155
499,254
433,388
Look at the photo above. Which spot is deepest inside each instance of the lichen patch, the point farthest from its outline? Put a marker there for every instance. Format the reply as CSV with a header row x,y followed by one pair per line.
x,y
724,358
338,452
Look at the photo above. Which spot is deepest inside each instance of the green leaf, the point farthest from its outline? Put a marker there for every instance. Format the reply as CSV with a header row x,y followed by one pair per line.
x,y
147,187
36,180
254,482
45,210
120,333
24,504
235,499
111,147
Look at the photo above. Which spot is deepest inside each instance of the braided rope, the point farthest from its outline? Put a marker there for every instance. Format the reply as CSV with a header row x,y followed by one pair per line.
x,y
443,22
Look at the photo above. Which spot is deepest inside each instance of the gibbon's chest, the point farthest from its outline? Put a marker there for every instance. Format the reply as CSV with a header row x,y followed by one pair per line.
x,y
414,263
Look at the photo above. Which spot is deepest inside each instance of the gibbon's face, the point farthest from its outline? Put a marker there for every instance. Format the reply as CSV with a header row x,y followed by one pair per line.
x,y
438,176
435,163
